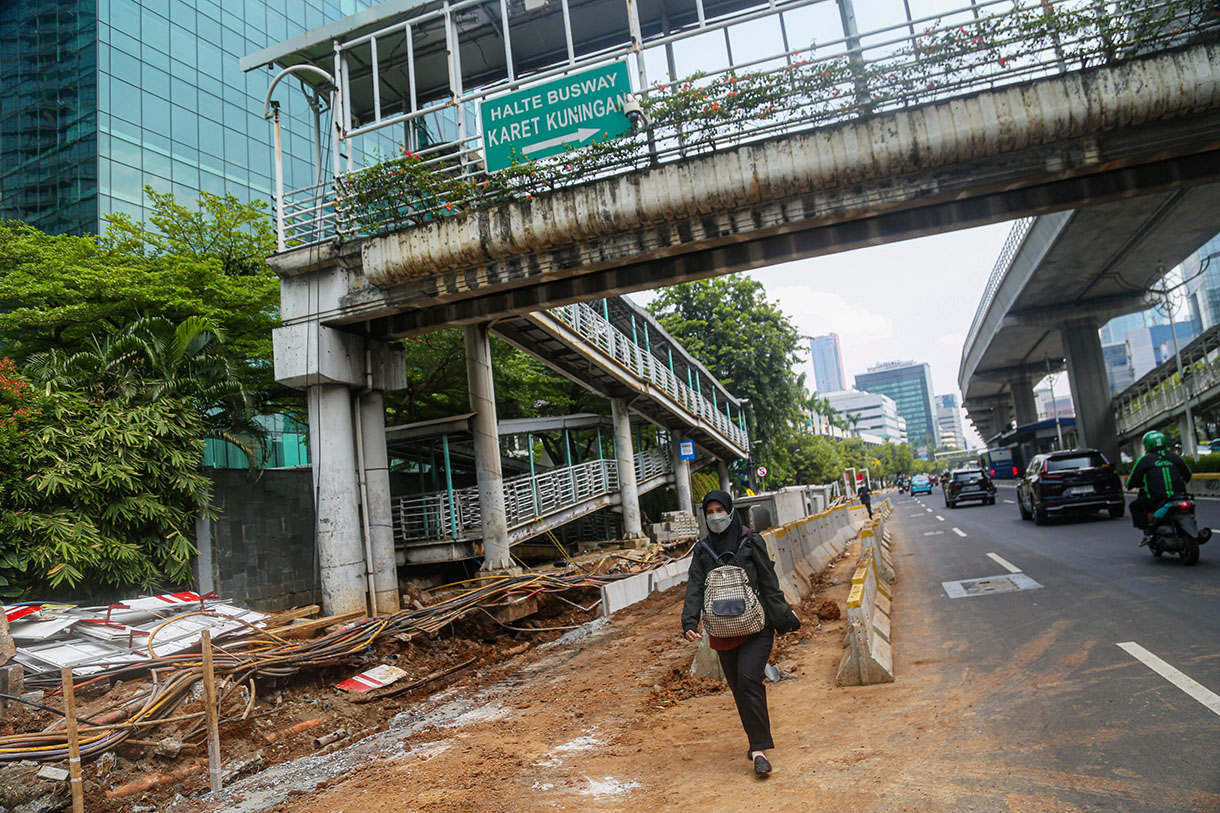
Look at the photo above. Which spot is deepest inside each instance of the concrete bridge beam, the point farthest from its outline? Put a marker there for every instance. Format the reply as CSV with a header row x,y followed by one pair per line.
x,y
624,453
338,533
681,473
496,555
1095,425
1024,404
376,500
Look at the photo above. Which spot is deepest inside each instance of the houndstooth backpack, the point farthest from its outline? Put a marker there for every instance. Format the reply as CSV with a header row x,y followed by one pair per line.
x,y
730,606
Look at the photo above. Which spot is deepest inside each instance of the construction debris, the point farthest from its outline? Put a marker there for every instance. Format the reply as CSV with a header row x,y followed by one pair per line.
x,y
93,639
373,678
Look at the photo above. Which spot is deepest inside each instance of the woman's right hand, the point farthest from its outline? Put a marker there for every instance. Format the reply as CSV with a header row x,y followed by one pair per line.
x,y
691,635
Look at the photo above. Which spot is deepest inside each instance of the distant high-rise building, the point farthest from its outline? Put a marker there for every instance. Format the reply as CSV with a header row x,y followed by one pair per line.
x,y
949,422
827,363
1062,404
874,414
910,385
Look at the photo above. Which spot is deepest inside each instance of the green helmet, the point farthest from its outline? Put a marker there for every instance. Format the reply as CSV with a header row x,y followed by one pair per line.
x,y
1155,440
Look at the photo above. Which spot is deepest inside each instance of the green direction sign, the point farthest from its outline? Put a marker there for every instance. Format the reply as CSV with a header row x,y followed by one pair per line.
x,y
547,119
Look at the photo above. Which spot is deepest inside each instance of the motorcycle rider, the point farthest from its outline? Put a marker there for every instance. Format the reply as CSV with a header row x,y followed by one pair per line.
x,y
1160,475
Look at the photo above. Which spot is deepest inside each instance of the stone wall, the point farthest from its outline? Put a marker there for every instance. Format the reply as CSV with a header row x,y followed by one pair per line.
x,y
259,549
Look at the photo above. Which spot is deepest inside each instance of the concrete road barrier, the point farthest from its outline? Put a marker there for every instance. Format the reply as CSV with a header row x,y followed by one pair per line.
x,y
875,541
868,657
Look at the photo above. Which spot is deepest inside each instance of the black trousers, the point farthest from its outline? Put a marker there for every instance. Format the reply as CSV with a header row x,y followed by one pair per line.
x,y
869,506
743,668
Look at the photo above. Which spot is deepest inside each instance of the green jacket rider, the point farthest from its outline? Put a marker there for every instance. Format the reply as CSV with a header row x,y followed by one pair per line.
x,y
1159,475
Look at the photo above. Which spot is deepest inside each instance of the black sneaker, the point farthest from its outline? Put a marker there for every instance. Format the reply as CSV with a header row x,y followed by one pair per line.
x,y
761,766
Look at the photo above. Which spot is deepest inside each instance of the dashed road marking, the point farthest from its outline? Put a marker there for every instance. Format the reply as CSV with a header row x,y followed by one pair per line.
x,y
1002,562
959,532
932,533
929,510
1010,502
1187,684
939,517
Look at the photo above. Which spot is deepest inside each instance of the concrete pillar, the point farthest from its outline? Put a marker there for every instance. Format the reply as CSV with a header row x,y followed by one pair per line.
x,y
1023,403
1138,445
681,474
1086,365
1189,444
496,556
340,543
722,469
625,455
377,488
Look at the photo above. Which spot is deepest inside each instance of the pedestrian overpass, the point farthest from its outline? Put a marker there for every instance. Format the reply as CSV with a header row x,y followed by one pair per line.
x,y
866,135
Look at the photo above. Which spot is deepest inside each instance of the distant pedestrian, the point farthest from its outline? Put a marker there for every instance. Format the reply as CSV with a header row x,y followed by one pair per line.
x,y
866,497
743,658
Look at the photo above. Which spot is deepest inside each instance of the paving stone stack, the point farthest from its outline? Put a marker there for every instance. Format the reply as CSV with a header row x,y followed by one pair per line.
x,y
675,526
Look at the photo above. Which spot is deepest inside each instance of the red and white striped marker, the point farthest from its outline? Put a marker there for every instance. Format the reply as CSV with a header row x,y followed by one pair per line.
x,y
371,679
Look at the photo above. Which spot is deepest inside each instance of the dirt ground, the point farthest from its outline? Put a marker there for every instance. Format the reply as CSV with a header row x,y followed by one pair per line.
x,y
615,723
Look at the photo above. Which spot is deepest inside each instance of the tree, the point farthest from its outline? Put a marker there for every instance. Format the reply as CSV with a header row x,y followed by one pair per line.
x,y
56,292
110,481
750,345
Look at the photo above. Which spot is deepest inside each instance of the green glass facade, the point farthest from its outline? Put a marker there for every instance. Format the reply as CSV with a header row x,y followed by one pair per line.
x,y
910,385
103,97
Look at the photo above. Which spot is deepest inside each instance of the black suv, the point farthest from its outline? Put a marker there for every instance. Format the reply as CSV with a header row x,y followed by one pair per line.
x,y
1076,481
968,484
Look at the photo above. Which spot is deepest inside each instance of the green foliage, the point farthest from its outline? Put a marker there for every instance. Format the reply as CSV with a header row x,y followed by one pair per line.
x,y
221,229
525,388
114,489
19,413
57,292
749,344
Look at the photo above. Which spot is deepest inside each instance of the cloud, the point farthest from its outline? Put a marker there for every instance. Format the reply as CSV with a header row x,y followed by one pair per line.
x,y
819,312
953,341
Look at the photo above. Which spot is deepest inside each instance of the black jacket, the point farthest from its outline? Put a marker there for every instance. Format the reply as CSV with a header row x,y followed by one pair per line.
x,y
1160,474
756,562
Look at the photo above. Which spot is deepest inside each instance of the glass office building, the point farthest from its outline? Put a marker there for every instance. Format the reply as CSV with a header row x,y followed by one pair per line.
x,y
103,97
910,385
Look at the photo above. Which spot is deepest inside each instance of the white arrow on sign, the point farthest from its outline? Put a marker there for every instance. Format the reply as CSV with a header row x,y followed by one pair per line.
x,y
558,141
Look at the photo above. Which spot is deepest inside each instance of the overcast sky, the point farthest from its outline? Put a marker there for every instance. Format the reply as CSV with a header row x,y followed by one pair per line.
x,y
910,300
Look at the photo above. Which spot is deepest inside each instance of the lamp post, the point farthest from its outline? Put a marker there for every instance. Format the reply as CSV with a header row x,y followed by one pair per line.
x,y
1183,375
1054,404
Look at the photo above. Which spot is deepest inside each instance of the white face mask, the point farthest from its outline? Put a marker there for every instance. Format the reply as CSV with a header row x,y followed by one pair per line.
x,y
719,523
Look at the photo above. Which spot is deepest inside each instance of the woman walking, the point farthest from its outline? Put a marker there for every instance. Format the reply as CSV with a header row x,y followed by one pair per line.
x,y
743,657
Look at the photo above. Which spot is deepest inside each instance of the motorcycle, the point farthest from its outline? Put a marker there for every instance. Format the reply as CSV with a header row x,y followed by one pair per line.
x,y
1174,530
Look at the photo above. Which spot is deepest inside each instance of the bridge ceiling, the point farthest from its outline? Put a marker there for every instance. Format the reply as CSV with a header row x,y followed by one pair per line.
x,y
1092,262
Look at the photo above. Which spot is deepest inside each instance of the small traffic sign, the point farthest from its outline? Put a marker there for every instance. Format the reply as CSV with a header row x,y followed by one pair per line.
x,y
686,450
761,471
545,120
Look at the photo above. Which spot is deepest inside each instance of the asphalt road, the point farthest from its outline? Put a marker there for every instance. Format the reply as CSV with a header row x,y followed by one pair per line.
x,y
1080,719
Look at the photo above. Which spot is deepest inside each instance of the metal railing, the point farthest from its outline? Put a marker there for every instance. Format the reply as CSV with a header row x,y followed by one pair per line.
x,y
1168,397
435,516
1016,238
598,332
961,50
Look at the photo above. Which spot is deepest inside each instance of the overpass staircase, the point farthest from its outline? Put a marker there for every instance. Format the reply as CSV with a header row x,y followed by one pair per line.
x,y
443,526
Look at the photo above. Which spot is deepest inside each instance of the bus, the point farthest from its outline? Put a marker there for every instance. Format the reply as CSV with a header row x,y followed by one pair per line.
x,y
1000,464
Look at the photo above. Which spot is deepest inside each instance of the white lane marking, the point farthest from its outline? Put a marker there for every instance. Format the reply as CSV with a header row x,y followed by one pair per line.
x,y
938,516
932,533
916,515
959,532
1010,502
1187,684
1002,562
929,510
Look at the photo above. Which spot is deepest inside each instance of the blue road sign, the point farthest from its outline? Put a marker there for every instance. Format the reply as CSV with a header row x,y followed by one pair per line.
x,y
686,450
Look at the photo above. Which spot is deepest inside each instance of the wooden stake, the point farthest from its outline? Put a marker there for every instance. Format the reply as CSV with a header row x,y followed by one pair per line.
x,y
74,780
209,699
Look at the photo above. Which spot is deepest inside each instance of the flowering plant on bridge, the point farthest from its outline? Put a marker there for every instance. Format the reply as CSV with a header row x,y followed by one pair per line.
x,y
703,113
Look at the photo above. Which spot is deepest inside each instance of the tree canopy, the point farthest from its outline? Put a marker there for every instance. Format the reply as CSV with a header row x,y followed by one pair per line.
x,y
749,344
58,291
